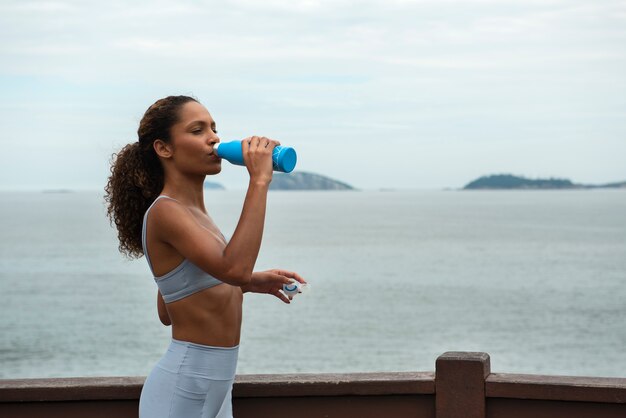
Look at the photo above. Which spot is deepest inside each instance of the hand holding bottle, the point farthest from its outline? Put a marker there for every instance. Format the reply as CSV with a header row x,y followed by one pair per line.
x,y
257,156
283,158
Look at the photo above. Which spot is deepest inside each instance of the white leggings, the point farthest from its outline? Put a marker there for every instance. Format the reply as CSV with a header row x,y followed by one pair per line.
x,y
191,381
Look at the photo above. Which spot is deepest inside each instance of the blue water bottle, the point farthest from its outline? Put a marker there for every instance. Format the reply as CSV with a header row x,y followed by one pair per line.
x,y
284,158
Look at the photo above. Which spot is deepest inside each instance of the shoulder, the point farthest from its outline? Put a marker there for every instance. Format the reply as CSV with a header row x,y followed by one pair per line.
x,y
169,216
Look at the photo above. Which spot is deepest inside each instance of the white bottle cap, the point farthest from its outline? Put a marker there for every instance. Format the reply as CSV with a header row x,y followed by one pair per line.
x,y
291,289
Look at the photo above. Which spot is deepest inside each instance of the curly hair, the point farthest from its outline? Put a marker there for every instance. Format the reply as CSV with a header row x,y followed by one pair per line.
x,y
137,176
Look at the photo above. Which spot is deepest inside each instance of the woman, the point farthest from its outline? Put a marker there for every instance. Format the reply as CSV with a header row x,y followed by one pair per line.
x,y
155,198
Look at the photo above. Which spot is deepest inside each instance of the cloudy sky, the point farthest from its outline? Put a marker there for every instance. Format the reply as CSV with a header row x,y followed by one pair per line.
x,y
394,93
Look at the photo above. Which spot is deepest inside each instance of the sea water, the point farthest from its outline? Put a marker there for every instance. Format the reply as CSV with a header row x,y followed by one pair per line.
x,y
537,279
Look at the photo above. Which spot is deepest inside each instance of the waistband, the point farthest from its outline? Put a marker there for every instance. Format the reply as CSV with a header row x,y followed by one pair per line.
x,y
198,360
204,347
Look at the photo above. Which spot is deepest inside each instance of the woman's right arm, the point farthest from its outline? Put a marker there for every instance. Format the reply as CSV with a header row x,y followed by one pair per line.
x,y
233,263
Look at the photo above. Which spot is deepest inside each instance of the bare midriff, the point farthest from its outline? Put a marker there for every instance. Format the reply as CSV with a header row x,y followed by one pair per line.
x,y
209,317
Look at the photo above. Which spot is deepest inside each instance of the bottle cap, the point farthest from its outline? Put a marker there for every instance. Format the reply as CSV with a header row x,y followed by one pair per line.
x,y
305,287
291,289
284,159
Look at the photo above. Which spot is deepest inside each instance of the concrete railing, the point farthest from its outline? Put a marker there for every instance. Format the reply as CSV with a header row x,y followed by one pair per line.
x,y
461,386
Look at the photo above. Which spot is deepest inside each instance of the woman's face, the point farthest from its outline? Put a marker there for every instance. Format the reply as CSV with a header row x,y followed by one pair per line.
x,y
193,138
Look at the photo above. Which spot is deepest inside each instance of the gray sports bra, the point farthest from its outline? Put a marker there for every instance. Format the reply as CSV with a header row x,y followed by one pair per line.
x,y
186,279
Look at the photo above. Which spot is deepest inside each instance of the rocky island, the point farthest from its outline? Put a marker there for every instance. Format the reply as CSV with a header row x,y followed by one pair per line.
x,y
302,180
508,181
211,185
299,180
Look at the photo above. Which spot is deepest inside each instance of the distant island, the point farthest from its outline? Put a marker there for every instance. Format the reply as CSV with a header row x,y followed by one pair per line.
x,y
508,181
298,180
211,185
302,180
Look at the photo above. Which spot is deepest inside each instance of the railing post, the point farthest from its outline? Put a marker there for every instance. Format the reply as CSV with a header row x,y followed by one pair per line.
x,y
460,384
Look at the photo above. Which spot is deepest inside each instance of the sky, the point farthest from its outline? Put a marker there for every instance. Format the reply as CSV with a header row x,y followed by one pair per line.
x,y
401,94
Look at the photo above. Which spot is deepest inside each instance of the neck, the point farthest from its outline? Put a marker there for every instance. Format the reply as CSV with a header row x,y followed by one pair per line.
x,y
187,190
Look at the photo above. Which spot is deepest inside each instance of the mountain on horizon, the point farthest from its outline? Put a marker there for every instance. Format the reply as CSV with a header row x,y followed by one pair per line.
x,y
302,180
299,180
509,181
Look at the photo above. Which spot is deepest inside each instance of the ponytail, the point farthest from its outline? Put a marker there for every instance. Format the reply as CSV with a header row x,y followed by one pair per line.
x,y
137,176
132,187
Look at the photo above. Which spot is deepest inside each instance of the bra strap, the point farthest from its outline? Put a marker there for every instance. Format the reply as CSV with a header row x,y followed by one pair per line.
x,y
144,230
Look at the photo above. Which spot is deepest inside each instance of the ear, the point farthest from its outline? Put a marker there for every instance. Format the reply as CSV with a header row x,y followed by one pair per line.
x,y
162,148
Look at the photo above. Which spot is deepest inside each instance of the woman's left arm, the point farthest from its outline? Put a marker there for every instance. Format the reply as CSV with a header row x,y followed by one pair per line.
x,y
163,315
271,282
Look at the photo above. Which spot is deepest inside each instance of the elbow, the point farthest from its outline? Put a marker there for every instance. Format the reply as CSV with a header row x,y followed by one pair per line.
x,y
165,318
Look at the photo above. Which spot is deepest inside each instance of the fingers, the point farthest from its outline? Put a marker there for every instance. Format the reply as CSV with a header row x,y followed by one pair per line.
x,y
282,297
272,282
271,276
259,142
290,275
257,156
280,276
283,280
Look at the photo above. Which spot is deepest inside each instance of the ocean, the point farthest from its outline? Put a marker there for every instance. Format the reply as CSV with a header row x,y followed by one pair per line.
x,y
537,279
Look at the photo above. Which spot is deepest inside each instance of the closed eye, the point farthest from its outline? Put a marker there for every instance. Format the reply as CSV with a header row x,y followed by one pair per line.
x,y
199,127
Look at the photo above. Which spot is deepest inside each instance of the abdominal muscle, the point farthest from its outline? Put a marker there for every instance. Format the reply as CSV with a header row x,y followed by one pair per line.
x,y
209,317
